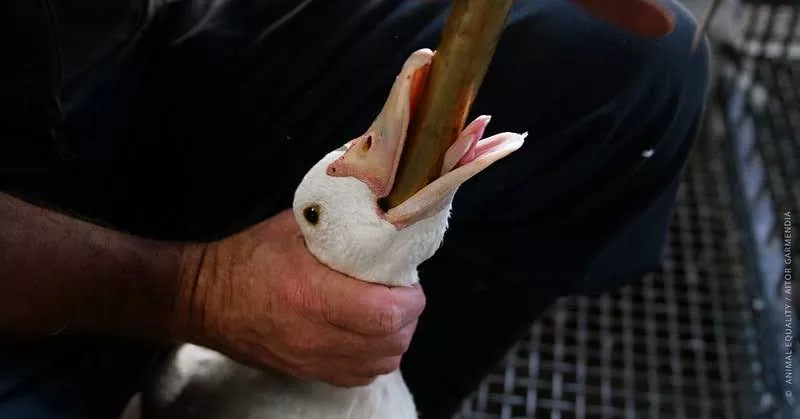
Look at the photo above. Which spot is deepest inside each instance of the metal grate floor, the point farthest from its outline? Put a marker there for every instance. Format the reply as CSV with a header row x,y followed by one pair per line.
x,y
777,118
767,27
763,120
703,337
674,346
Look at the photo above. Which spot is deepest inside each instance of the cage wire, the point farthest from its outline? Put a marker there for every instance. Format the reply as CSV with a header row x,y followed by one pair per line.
x,y
707,336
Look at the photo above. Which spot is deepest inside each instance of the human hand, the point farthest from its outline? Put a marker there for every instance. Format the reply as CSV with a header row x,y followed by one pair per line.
x,y
262,299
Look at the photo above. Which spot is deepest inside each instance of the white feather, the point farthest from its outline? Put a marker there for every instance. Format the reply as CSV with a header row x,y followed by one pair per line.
x,y
353,238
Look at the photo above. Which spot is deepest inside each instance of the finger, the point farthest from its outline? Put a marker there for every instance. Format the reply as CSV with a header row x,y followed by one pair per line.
x,y
332,341
341,370
337,370
345,372
388,346
356,372
372,310
335,377
379,367
349,381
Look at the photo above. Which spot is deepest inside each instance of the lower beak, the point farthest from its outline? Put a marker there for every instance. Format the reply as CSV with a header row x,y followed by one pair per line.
x,y
468,156
374,157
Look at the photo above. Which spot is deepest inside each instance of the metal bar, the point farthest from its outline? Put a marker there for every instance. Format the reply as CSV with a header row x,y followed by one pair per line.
x,y
466,48
705,22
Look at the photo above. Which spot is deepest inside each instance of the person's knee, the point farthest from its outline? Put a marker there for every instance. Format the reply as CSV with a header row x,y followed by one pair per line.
x,y
610,115
557,63
577,83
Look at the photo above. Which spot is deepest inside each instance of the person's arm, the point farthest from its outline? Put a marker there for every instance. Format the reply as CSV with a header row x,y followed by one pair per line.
x,y
60,275
258,296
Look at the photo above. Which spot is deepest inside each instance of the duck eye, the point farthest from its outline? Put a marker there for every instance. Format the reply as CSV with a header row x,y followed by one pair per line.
x,y
311,214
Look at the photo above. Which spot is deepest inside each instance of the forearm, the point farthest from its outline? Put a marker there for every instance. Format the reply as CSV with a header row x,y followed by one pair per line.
x,y
62,275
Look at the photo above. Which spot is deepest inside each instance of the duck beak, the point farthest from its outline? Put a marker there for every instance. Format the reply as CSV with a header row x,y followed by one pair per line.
x,y
468,156
374,157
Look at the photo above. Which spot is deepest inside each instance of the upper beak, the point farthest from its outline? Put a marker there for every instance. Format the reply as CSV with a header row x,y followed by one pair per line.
x,y
374,157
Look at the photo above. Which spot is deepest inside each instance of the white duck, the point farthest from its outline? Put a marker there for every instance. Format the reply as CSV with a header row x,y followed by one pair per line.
x,y
336,207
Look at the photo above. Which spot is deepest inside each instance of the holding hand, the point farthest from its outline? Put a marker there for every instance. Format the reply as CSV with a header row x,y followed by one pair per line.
x,y
261,298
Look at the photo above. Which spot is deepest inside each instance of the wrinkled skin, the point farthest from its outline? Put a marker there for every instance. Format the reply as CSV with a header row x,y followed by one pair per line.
x,y
313,322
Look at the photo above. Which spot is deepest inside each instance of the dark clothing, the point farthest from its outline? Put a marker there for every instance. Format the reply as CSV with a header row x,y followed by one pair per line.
x,y
192,120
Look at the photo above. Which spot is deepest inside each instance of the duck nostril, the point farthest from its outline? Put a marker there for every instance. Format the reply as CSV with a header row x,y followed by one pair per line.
x,y
367,143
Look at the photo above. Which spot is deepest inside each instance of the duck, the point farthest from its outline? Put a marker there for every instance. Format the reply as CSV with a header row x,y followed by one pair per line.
x,y
337,206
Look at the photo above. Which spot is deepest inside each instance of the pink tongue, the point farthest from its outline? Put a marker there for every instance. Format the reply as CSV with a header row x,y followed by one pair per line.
x,y
479,148
470,155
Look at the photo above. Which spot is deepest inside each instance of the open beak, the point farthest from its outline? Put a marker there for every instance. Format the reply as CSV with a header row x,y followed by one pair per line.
x,y
374,157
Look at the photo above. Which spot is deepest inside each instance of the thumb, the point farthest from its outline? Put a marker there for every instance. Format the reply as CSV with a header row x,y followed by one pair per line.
x,y
370,309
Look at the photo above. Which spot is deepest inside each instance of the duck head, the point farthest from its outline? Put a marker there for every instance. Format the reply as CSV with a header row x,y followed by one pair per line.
x,y
338,203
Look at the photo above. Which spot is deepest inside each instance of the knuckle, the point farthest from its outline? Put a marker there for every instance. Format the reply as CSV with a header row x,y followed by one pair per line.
x,y
387,366
398,345
423,303
396,349
393,364
390,319
421,299
380,367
